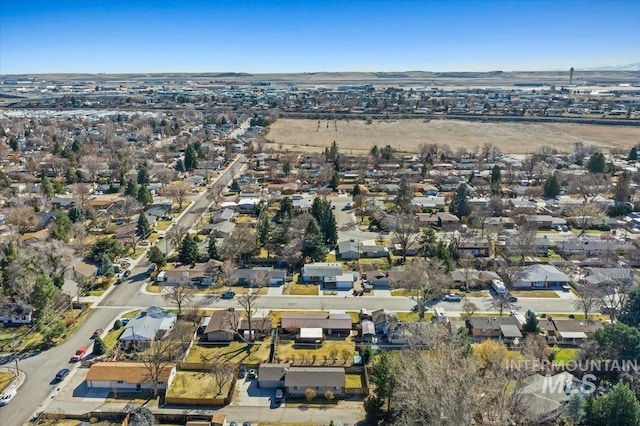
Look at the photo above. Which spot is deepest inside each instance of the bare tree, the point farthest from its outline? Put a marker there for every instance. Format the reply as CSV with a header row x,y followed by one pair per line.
x,y
467,263
589,185
522,243
22,218
248,302
589,299
423,281
52,258
585,215
178,192
229,272
180,294
502,302
404,231
241,242
615,291
469,308
157,359
175,234
222,373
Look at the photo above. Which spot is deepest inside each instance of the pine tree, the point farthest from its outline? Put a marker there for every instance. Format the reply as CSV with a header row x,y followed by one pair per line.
x,y
404,197
531,324
190,158
212,249
144,196
143,228
551,186
188,253
99,347
496,174
265,230
131,189
180,166
143,175
460,203
335,181
356,190
106,268
47,187
312,245
61,229
156,256
633,154
597,163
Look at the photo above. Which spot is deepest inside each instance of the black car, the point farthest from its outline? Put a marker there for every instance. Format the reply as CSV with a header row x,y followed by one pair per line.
x,y
127,273
242,372
62,374
512,299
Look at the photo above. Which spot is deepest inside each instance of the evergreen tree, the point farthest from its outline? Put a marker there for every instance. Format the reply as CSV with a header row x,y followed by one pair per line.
x,y
143,227
384,377
335,181
404,197
551,186
633,154
531,324
77,214
47,187
188,253
61,228
285,212
106,268
106,246
356,190
496,174
131,189
190,158
144,196
143,175
460,203
597,163
630,314
312,244
212,249
235,187
617,408
265,230
286,168
180,166
99,347
156,256
41,299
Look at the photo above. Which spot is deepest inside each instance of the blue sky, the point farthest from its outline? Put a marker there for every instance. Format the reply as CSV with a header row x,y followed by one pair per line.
x,y
307,36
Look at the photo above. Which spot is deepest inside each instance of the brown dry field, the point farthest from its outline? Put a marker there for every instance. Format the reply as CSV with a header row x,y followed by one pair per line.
x,y
354,136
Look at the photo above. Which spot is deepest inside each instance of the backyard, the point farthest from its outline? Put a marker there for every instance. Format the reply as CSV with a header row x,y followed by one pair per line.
x,y
196,385
235,352
329,353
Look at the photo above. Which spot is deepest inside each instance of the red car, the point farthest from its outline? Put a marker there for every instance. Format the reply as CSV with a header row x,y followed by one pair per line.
x,y
79,354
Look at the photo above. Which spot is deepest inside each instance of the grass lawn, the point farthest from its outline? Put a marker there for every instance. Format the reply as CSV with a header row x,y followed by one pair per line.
x,y
401,292
276,316
137,252
196,384
235,352
236,289
155,288
111,338
470,293
162,225
354,381
344,351
331,257
153,237
565,355
131,314
303,289
550,294
412,316
5,380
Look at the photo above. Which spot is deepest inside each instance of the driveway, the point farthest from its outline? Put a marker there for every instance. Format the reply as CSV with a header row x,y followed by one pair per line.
x,y
250,395
274,291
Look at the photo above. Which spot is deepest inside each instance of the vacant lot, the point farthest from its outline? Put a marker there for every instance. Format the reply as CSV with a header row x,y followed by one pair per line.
x,y
353,136
330,353
235,352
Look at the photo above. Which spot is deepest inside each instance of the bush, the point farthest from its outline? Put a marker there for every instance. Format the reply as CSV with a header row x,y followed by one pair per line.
x,y
309,393
117,325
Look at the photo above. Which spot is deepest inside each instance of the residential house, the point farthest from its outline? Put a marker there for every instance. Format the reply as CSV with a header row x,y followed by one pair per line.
x,y
348,249
497,224
201,274
383,320
271,376
226,324
405,333
476,247
377,278
448,221
83,270
332,325
367,330
316,272
127,376
494,327
571,331
369,249
261,275
224,215
592,247
544,397
321,379
221,229
606,276
343,281
15,313
150,325
473,277
541,276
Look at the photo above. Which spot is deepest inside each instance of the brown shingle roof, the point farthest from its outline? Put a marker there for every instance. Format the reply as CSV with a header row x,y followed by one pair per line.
x,y
128,372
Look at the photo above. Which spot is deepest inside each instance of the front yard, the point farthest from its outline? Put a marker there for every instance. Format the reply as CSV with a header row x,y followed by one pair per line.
x,y
550,294
5,380
330,353
235,352
303,289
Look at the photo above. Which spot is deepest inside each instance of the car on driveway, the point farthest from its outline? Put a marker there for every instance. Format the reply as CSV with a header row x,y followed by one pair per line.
x,y
242,372
60,375
279,394
453,297
512,299
127,273
252,374
6,397
97,333
79,354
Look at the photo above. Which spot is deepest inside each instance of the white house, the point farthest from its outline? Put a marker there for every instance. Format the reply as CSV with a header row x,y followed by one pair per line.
x,y
541,276
316,272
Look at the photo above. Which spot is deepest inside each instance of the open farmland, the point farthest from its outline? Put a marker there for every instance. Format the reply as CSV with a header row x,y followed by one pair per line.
x,y
353,136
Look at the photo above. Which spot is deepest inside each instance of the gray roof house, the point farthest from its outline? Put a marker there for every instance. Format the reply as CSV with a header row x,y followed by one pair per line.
x,y
348,249
320,379
541,276
249,276
316,272
151,324
272,375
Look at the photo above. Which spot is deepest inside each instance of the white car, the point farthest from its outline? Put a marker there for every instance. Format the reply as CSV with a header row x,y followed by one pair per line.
x,y
144,243
6,397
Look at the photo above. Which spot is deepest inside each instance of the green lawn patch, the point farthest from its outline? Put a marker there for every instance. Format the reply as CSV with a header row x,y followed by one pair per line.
x,y
235,352
5,380
111,338
329,353
163,225
565,355
354,381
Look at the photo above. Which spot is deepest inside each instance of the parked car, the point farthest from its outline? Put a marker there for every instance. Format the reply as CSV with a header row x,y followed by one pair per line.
x,y
79,354
144,243
227,294
512,299
97,333
124,321
279,394
118,281
242,372
60,375
252,374
6,397
453,297
127,273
